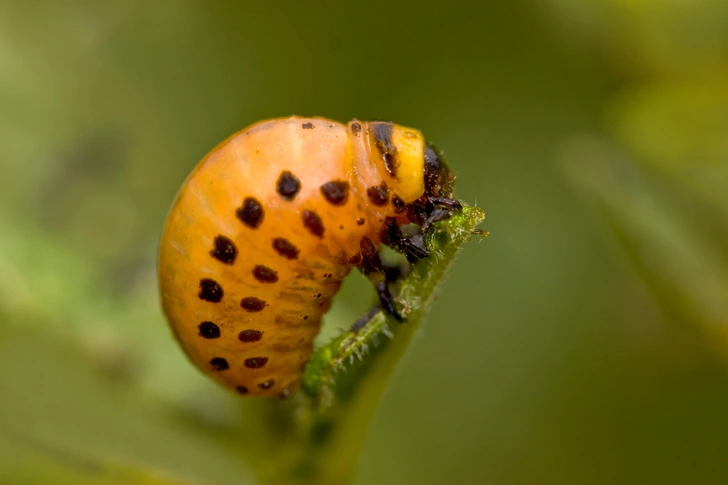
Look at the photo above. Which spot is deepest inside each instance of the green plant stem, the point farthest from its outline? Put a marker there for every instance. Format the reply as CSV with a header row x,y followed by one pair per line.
x,y
345,378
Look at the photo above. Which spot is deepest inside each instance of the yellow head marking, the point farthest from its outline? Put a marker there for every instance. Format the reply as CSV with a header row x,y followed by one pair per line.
x,y
399,153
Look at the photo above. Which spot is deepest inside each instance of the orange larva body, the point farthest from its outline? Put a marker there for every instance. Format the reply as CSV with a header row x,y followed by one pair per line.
x,y
262,233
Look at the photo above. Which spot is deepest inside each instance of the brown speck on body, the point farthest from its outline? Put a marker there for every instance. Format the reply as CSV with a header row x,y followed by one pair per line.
x,y
252,304
266,384
313,223
285,248
378,194
288,185
336,192
360,221
220,364
399,205
307,126
250,335
224,250
210,290
356,128
255,362
383,140
242,389
368,248
251,213
208,330
264,274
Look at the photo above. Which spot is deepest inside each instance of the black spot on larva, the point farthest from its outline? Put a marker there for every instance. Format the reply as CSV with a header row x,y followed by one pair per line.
x,y
356,128
356,259
285,248
264,274
313,223
242,389
218,363
252,304
379,194
383,140
224,250
250,335
360,221
307,126
209,330
399,205
266,384
305,317
318,296
255,362
251,213
336,191
368,248
210,290
288,185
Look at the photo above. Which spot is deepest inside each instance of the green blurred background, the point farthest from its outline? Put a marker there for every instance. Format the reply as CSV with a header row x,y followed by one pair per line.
x,y
584,342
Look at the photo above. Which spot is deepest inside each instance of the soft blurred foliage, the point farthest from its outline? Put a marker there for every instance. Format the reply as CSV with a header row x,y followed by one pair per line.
x,y
584,342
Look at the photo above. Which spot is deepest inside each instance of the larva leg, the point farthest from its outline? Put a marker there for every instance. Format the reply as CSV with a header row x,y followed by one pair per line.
x,y
359,324
439,209
413,247
371,265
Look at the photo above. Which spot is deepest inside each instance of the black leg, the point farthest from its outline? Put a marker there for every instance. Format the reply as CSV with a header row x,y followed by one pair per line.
x,y
371,265
441,201
387,301
359,324
413,247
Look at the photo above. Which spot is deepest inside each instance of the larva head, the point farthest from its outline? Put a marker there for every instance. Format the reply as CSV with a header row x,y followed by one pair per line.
x,y
410,167
439,180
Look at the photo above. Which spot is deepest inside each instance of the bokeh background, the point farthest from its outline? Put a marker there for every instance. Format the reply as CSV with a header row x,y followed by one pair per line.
x,y
584,342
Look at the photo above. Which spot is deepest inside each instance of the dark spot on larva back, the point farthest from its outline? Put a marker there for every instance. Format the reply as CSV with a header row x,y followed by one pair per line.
x,y
252,304
218,363
251,213
307,126
285,248
266,384
242,389
360,221
378,194
210,290
399,205
209,330
264,274
383,140
356,128
336,191
255,362
313,223
224,250
250,335
356,259
305,317
368,248
288,185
